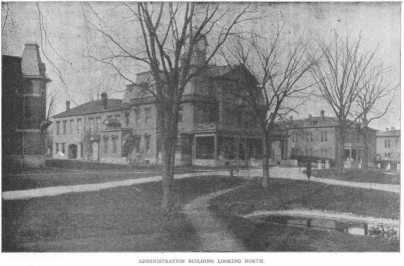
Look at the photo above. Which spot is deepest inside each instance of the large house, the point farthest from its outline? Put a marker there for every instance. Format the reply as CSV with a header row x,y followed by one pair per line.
x,y
214,126
210,122
24,108
388,146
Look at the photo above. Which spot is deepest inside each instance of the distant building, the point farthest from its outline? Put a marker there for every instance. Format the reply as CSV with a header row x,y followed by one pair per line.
x,y
388,145
24,107
315,137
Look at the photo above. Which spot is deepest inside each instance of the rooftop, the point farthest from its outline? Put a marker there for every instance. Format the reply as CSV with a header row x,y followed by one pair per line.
x,y
93,107
388,133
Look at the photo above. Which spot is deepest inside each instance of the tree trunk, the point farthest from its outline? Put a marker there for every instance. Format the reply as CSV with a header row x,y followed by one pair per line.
x,y
365,164
340,141
167,125
168,158
265,161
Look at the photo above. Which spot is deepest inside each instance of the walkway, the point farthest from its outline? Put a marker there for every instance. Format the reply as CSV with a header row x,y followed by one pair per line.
x,y
276,172
297,174
213,234
59,190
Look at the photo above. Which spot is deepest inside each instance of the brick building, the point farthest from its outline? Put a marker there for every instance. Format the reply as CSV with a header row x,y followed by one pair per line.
x,y
23,107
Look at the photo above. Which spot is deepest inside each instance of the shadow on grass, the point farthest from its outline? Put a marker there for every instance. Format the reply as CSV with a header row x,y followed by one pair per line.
x,y
118,219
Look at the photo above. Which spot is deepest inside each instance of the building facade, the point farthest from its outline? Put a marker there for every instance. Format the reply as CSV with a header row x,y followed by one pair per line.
x,y
214,126
388,147
316,137
24,84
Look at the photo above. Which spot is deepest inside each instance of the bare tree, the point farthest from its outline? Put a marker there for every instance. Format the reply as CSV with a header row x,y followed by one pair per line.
x,y
375,93
340,76
278,70
170,36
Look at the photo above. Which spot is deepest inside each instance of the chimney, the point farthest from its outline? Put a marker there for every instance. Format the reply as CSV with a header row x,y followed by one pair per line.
x,y
387,129
104,99
67,105
322,114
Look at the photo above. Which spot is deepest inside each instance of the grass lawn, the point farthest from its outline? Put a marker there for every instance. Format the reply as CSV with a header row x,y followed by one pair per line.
x,y
46,177
118,219
288,194
61,177
360,175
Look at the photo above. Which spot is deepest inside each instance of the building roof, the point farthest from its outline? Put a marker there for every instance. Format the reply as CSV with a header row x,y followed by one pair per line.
x,y
388,133
93,107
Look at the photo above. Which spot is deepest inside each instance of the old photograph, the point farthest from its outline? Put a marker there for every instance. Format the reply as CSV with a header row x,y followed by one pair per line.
x,y
200,126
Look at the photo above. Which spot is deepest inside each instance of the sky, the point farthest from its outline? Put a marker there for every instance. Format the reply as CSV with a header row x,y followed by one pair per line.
x,y
78,78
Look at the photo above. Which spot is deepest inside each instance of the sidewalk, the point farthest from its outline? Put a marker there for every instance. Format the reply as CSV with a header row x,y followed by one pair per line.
x,y
297,174
59,190
275,172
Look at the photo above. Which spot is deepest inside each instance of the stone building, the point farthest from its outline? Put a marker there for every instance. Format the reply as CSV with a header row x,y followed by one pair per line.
x,y
315,137
388,146
24,108
91,131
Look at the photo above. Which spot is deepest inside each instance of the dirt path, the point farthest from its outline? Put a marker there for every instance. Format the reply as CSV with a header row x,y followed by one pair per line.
x,y
213,234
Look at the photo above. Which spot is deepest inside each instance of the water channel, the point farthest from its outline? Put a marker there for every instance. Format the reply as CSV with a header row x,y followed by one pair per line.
x,y
353,228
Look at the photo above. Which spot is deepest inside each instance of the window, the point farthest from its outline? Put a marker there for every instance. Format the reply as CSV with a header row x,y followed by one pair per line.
x,y
91,125
114,144
78,126
97,124
127,119
71,126
387,143
147,115
64,127
147,142
323,136
63,148
57,127
137,115
105,140
57,147
180,110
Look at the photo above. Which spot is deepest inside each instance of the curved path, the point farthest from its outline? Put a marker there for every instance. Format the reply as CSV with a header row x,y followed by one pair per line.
x,y
213,234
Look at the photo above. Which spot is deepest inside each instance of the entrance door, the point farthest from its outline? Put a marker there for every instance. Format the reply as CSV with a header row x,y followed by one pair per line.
x,y
72,151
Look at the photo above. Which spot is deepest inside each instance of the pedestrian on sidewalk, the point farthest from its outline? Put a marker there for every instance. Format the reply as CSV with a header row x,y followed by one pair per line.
x,y
308,170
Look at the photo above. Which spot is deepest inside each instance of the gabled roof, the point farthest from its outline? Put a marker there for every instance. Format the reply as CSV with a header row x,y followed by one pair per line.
x,y
93,107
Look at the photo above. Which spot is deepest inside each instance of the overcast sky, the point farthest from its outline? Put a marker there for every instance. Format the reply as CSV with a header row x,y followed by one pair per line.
x,y
68,40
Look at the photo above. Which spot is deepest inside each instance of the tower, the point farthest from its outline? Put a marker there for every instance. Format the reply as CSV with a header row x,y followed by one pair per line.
x,y
25,108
